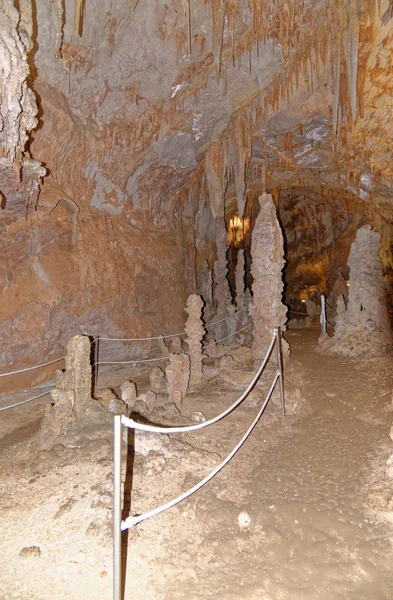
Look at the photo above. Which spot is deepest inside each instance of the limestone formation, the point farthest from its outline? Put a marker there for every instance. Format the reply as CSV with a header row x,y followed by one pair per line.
x,y
195,333
362,326
150,399
77,374
19,174
176,347
221,292
157,380
267,249
178,376
240,280
75,413
128,393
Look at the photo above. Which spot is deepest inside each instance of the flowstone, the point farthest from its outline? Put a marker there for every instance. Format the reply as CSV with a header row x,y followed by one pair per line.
x,y
362,326
267,250
195,333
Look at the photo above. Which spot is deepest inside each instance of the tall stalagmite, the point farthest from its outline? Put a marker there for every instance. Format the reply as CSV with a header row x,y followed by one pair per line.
x,y
195,333
221,292
267,250
362,327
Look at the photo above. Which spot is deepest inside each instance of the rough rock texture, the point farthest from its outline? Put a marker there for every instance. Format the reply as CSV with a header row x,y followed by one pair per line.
x,y
178,377
363,325
195,334
74,409
157,380
221,292
268,310
19,174
128,393
240,273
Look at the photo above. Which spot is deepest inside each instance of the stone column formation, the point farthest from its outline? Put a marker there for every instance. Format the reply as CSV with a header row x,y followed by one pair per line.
x,y
267,250
195,333
178,375
221,292
363,326
77,374
240,280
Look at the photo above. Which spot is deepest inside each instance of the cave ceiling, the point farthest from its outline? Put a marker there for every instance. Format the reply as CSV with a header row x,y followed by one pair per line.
x,y
140,100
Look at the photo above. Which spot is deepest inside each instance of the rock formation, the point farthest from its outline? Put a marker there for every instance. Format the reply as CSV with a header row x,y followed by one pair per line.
x,y
363,325
221,292
240,280
19,174
75,413
128,393
157,380
267,249
178,376
195,333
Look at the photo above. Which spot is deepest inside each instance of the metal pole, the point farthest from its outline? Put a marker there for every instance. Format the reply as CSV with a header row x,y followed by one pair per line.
x,y
323,313
96,359
280,368
117,508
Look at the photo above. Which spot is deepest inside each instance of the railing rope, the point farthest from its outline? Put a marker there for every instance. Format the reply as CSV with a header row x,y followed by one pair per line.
x,y
120,420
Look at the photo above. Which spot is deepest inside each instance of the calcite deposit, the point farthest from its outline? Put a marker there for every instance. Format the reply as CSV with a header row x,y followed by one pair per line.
x,y
178,378
363,325
195,333
268,310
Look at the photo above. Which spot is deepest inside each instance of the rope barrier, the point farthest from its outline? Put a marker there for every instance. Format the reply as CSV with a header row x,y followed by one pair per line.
x,y
24,401
128,362
159,337
227,337
32,368
226,318
183,429
331,307
131,521
304,314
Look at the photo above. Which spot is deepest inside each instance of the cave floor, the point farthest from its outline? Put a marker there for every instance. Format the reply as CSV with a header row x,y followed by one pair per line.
x,y
313,485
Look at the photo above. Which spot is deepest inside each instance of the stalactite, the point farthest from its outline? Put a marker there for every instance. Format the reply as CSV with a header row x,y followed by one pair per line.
x,y
59,27
78,8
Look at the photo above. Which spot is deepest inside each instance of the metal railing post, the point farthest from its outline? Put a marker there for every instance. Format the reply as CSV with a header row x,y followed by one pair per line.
x,y
280,368
323,313
117,508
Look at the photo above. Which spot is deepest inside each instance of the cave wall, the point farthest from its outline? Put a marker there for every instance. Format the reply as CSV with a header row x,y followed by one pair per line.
x,y
153,120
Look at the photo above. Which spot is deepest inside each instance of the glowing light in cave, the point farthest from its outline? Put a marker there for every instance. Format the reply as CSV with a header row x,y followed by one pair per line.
x,y
237,229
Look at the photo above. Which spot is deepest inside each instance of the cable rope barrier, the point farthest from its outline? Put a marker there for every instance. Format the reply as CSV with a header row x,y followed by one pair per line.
x,y
51,362
146,360
159,337
24,401
120,525
185,428
131,521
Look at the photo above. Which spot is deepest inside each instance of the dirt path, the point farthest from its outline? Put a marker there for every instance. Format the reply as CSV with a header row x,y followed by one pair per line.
x,y
303,481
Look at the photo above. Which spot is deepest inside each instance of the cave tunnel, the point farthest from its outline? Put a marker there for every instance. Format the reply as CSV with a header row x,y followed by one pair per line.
x,y
196,234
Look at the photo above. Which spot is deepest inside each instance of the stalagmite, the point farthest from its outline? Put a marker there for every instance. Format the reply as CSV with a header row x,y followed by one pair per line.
x,y
267,250
363,326
128,393
240,280
74,409
195,333
178,376
221,292
77,374
157,380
